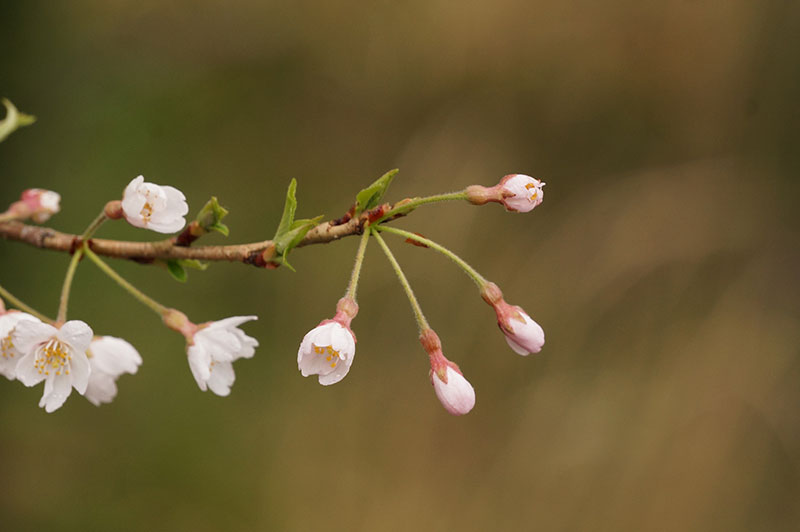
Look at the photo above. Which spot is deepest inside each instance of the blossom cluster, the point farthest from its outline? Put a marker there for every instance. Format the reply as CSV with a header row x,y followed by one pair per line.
x,y
67,355
70,356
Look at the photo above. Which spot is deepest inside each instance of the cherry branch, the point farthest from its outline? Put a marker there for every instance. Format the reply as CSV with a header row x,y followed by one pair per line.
x,y
255,253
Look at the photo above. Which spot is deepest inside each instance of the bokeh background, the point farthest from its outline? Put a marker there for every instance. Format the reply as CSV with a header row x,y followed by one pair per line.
x,y
663,263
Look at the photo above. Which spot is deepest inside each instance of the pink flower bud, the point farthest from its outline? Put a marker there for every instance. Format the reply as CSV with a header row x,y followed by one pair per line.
x,y
521,193
524,335
41,204
517,193
454,391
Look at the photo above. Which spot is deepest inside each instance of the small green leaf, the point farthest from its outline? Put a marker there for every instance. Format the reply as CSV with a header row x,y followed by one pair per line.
x,y
290,231
211,215
176,270
13,120
288,240
289,209
193,264
371,196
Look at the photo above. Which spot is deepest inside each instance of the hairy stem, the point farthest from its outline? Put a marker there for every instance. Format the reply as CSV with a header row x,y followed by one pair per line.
x,y
422,323
410,205
469,270
73,265
151,303
65,288
8,296
362,248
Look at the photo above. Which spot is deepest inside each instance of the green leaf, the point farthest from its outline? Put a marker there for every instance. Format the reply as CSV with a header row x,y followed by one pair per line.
x,y
211,215
285,242
371,196
289,209
193,264
13,120
176,270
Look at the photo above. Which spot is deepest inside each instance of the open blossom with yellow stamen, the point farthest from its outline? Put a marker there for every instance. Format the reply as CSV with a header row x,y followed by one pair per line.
x,y
155,207
329,348
9,355
212,349
109,358
56,356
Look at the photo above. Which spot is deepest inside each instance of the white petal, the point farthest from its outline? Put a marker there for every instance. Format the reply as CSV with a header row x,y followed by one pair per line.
x,y
29,334
101,389
339,373
59,390
233,321
166,225
80,371
199,363
77,334
114,356
176,201
222,378
342,341
26,372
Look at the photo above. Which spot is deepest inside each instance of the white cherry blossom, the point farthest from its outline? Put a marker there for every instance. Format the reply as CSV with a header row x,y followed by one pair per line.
x,y
521,193
9,355
212,349
155,207
328,351
56,356
109,357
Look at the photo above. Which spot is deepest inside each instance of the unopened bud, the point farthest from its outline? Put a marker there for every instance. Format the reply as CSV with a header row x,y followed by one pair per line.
x,y
113,210
38,204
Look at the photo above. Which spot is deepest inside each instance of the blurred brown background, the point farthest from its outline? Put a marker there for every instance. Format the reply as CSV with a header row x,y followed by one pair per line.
x,y
663,263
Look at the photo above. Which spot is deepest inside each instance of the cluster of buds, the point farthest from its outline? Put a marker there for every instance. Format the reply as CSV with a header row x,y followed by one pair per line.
x,y
328,350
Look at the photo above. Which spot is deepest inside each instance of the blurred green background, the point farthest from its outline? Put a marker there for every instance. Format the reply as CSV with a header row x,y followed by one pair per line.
x,y
663,263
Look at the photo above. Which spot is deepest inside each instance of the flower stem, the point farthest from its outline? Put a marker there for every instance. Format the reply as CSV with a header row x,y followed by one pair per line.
x,y
152,304
478,278
416,202
362,248
22,306
422,323
73,265
65,288
94,226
